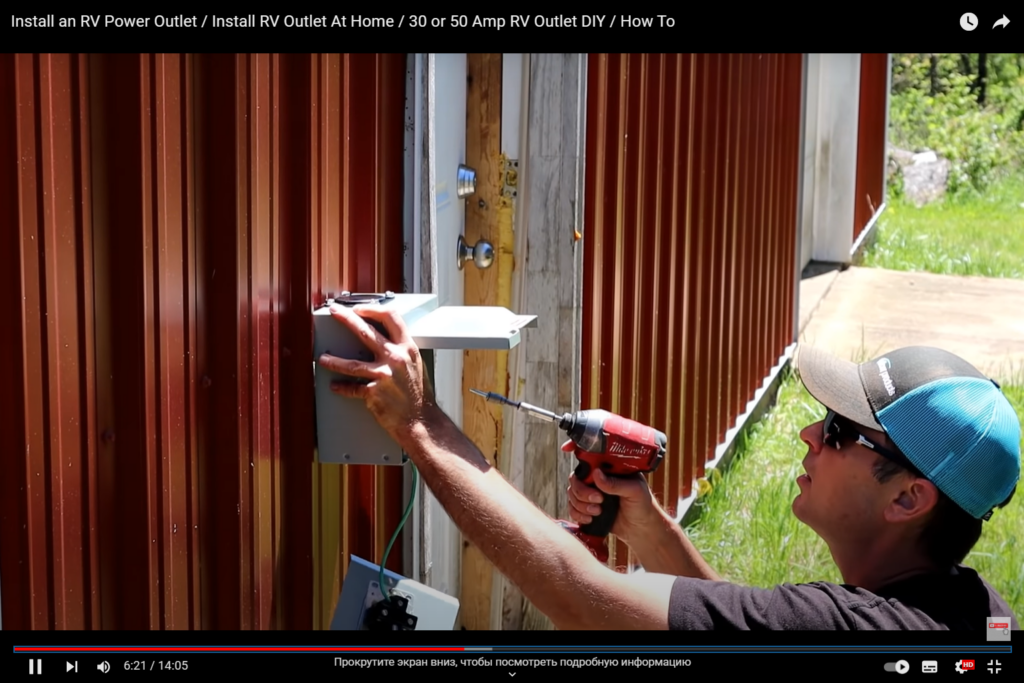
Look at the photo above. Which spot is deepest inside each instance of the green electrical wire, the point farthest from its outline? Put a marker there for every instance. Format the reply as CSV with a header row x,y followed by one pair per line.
x,y
394,536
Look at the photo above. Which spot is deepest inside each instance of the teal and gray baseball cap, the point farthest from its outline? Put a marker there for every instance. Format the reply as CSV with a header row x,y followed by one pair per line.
x,y
948,419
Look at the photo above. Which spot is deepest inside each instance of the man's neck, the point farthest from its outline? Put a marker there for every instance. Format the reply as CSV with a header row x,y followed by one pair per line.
x,y
881,565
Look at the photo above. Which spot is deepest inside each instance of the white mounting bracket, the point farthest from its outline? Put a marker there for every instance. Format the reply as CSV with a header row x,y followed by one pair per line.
x,y
346,431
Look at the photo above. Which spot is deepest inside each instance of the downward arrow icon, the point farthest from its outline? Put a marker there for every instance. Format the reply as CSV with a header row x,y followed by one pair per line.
x,y
511,673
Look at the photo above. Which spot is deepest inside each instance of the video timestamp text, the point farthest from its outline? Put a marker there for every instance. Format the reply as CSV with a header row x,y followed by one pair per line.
x,y
156,665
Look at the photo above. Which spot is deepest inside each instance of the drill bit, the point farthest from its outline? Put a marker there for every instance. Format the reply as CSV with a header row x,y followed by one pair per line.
x,y
519,405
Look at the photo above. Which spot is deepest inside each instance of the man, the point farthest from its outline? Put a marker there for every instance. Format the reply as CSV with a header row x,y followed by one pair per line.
x,y
897,535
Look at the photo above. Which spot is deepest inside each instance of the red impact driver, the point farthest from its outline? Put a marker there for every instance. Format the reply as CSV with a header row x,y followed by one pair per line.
x,y
599,439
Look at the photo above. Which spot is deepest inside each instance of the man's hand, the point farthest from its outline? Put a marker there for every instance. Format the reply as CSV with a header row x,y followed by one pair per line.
x,y
637,507
398,393
644,525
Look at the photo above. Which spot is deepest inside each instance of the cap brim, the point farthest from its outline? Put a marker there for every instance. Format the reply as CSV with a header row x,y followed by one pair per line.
x,y
835,383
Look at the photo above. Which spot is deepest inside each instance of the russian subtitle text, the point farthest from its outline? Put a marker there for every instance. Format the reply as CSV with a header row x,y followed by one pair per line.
x,y
511,662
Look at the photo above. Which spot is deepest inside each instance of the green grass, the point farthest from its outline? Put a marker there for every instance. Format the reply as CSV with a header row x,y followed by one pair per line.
x,y
749,535
980,236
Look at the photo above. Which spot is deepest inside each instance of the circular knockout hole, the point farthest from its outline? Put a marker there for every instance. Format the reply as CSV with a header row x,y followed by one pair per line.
x,y
356,299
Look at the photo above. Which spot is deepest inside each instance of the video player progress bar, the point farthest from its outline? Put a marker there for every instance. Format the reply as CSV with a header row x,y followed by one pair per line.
x,y
707,649
251,649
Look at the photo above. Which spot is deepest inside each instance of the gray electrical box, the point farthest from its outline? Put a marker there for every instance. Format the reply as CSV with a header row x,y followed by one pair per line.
x,y
347,433
417,607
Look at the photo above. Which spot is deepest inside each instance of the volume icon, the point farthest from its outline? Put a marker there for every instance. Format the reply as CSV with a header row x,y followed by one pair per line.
x,y
104,667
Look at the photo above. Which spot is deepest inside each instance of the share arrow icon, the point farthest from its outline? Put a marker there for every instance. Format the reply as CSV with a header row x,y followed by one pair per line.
x,y
1001,22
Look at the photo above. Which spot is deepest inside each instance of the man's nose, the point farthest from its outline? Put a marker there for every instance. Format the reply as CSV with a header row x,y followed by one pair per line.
x,y
811,435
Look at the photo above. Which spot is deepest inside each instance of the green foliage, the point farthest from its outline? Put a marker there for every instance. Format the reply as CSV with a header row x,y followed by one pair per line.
x,y
940,102
981,237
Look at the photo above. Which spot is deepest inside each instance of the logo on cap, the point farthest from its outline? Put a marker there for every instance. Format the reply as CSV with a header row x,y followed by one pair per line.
x,y
883,372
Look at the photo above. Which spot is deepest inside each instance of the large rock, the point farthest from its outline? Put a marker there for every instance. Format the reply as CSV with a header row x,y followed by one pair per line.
x,y
925,174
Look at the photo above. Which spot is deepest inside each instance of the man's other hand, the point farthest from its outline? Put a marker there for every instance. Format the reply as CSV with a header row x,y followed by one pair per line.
x,y
398,393
637,508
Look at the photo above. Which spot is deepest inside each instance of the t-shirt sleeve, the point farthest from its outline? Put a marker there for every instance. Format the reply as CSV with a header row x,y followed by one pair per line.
x,y
702,605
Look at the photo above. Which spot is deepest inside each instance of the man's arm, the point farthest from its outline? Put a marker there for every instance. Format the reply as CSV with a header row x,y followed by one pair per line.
x,y
658,542
552,569
665,549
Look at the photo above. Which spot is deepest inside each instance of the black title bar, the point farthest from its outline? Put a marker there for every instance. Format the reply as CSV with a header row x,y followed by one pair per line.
x,y
706,29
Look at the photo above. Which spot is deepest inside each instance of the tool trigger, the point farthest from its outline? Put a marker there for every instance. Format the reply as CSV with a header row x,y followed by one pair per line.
x,y
569,446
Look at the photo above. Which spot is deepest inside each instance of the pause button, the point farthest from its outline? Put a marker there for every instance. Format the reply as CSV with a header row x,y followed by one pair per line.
x,y
35,667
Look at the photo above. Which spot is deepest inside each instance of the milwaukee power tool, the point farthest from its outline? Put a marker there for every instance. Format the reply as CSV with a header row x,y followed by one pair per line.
x,y
599,439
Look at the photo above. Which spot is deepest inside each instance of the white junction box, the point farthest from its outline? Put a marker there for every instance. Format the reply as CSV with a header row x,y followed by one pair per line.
x,y
413,606
347,433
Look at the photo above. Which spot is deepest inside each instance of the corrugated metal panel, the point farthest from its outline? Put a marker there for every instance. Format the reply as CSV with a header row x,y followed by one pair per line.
x,y
169,221
871,139
690,228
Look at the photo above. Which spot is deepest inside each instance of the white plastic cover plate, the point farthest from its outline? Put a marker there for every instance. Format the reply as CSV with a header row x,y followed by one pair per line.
x,y
470,327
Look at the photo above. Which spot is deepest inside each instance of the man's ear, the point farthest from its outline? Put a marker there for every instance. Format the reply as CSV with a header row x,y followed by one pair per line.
x,y
915,499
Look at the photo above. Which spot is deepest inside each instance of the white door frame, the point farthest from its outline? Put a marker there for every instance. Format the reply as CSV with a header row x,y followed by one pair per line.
x,y
421,262
426,541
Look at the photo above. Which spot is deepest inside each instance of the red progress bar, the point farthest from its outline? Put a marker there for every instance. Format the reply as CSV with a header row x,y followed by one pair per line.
x,y
240,649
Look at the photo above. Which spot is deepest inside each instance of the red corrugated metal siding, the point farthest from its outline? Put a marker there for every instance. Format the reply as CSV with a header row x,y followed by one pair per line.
x,y
168,223
689,246
871,139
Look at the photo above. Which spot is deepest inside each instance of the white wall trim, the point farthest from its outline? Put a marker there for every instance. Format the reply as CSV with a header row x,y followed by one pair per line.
x,y
885,141
411,235
808,155
421,266
836,156
801,193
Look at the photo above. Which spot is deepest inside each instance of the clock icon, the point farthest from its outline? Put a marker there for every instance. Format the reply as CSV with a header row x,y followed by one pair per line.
x,y
968,22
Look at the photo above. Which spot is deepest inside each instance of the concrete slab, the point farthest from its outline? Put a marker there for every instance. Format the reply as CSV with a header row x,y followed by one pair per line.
x,y
815,282
868,311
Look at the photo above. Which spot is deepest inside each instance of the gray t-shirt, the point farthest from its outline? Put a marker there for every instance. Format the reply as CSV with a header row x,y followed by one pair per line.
x,y
959,600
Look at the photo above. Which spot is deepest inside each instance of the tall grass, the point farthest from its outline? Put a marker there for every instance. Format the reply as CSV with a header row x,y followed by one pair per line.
x,y
980,236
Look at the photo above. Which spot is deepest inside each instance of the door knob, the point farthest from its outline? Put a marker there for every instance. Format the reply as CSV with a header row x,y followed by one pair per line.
x,y
481,254
465,183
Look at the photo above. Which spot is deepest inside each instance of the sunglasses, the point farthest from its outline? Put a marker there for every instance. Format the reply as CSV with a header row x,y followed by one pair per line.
x,y
837,430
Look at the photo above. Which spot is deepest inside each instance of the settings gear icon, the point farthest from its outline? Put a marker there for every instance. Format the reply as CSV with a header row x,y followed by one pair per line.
x,y
960,669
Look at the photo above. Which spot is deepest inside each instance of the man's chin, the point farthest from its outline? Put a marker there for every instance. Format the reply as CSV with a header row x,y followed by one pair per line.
x,y
797,506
